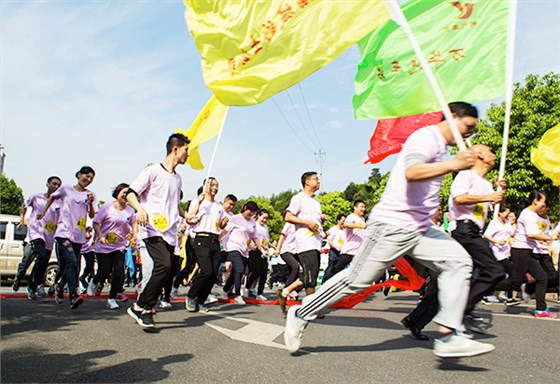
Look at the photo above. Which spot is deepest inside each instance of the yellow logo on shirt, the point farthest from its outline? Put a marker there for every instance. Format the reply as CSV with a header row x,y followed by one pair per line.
x,y
264,242
159,221
111,237
49,226
217,225
341,241
478,211
248,243
81,224
542,225
312,233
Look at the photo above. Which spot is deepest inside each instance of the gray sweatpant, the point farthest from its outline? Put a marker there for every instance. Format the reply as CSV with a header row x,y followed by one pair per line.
x,y
383,245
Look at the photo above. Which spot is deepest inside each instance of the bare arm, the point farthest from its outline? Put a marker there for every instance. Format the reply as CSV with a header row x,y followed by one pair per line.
x,y
97,229
466,199
50,200
291,218
279,245
141,214
426,171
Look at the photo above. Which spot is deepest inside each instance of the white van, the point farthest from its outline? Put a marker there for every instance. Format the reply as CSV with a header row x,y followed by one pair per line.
x,y
11,250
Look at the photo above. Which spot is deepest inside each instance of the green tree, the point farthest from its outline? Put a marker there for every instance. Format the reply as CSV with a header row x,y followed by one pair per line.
x,y
282,200
11,196
333,204
370,191
535,109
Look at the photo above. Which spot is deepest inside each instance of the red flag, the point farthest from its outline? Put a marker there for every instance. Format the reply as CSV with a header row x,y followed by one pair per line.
x,y
390,134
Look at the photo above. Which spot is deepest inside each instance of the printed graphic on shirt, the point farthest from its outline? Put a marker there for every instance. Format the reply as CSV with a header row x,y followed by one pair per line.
x,y
50,226
159,221
217,223
111,237
81,224
264,242
478,211
542,225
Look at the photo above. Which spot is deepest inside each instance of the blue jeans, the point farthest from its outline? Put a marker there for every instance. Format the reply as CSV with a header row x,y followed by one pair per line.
x,y
68,253
239,262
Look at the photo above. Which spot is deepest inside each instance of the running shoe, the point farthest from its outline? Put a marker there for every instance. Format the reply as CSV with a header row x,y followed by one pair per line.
x,y
174,293
83,291
31,295
489,300
239,300
76,301
143,317
460,345
526,297
294,329
211,299
414,329
224,294
281,300
98,289
262,298
191,305
112,304
165,305
474,324
511,302
59,295
546,314
122,297
51,290
91,288
41,291
203,308
15,286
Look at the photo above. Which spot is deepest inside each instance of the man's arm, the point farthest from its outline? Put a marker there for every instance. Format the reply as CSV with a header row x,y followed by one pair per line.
x,y
426,171
291,218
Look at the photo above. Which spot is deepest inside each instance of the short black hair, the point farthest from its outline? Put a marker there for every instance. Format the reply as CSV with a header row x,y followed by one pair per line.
x,y
118,189
176,140
306,176
263,212
251,206
54,177
86,169
358,202
231,197
340,216
462,109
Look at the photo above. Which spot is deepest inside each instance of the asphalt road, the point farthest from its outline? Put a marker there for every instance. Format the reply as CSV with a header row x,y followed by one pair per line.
x,y
48,343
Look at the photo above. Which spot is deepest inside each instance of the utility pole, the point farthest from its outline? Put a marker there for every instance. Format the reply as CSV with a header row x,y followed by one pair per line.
x,y
2,159
320,159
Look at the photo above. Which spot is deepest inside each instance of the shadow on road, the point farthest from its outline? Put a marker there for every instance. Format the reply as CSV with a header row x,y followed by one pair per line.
x,y
17,367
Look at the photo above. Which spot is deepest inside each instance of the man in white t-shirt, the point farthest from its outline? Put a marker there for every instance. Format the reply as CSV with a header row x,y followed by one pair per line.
x,y
335,239
305,213
401,224
155,195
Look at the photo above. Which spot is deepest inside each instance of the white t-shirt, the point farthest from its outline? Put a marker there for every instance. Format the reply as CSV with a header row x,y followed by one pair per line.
x,y
289,243
115,225
159,193
240,232
544,226
411,205
353,236
262,235
469,182
336,235
210,214
527,224
44,228
499,231
74,207
306,208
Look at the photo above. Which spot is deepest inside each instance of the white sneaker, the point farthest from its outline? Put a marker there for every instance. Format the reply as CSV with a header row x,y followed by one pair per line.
x,y
526,297
91,288
294,329
224,294
112,304
239,300
174,293
211,299
459,345
165,305
262,298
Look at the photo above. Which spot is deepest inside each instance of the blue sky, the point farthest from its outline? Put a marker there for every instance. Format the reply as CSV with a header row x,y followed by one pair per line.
x,y
104,83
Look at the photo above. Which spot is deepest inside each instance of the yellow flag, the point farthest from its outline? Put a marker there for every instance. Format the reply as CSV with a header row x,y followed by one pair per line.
x,y
207,124
253,49
546,156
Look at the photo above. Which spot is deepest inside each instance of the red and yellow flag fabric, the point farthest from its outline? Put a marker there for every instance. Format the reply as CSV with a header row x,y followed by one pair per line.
x,y
253,49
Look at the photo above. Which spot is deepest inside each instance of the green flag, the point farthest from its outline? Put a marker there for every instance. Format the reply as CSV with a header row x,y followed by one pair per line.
x,y
464,44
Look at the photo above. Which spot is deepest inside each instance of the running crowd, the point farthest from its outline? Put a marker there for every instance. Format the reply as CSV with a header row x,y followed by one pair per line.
x,y
464,263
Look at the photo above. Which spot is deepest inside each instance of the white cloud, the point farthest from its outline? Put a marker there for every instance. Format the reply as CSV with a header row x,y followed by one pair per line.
x,y
335,124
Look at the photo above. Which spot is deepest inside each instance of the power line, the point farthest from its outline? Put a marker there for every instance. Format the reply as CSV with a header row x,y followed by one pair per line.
x,y
290,125
300,120
309,116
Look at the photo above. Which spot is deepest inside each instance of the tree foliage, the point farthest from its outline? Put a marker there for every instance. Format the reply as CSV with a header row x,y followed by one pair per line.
x,y
333,204
11,196
535,109
275,220
370,191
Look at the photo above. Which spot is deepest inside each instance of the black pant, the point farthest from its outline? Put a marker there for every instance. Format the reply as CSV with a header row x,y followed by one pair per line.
x,y
426,310
238,263
309,260
258,269
490,272
89,257
175,265
41,255
25,262
508,268
161,254
279,272
548,266
341,263
111,264
333,258
293,263
189,264
207,249
522,262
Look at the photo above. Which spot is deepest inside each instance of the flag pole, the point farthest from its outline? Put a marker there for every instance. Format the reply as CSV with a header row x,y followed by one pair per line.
x,y
510,55
398,16
215,150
